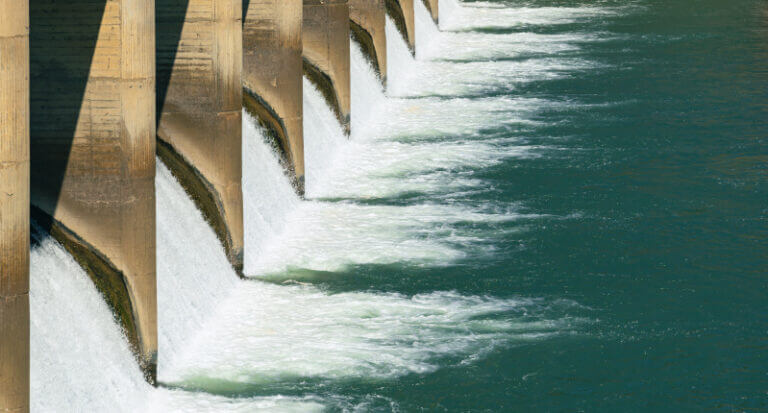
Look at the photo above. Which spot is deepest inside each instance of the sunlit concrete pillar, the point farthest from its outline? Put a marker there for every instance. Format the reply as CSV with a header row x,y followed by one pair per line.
x,y
272,76
199,66
326,52
402,14
433,7
93,149
367,23
14,205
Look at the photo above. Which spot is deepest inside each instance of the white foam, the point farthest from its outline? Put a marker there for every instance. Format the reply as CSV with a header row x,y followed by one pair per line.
x,y
456,15
267,192
193,273
81,362
466,63
323,136
287,333
328,236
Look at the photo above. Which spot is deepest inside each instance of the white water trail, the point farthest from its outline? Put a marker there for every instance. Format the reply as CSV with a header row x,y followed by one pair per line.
x,y
268,196
323,136
456,15
80,359
216,330
279,335
193,273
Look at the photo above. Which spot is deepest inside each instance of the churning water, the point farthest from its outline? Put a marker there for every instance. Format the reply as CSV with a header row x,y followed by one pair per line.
x,y
554,206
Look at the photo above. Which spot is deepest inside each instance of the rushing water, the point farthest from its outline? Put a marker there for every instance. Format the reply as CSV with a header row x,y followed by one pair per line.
x,y
558,205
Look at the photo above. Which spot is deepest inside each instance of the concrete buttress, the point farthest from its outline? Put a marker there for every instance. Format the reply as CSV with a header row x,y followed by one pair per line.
x,y
93,149
199,66
272,76
326,53
14,205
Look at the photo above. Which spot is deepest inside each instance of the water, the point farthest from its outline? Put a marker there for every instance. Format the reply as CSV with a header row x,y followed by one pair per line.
x,y
559,205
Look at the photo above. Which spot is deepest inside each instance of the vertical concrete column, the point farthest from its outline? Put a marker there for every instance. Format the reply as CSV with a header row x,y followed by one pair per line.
x,y
200,52
433,7
272,76
367,23
402,14
326,52
93,145
14,205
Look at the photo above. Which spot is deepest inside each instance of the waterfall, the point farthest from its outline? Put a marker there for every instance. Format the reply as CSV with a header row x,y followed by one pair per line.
x,y
79,358
391,194
193,273
267,193
323,137
426,29
400,62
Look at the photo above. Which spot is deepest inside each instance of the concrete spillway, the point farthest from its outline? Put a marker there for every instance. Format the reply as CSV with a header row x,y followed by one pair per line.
x,y
367,20
92,149
14,205
326,52
199,64
100,89
272,73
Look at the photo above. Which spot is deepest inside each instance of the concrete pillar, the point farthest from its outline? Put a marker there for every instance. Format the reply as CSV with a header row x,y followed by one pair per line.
x,y
14,205
433,7
93,149
200,97
403,15
367,22
326,52
272,76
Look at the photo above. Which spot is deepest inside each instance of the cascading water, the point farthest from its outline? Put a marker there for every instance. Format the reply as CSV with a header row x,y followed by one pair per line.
x,y
387,195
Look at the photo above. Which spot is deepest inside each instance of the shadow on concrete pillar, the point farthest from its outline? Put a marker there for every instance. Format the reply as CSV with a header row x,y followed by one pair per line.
x,y
326,53
367,24
402,13
92,150
199,63
272,76
14,205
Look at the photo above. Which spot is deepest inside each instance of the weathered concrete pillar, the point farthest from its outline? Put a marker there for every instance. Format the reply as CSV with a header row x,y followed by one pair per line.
x,y
14,205
326,52
403,15
93,149
272,76
433,7
367,22
200,97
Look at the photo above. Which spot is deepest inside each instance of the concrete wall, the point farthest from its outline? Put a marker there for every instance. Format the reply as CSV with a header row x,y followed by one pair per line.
x,y
14,205
367,21
326,52
93,149
272,76
433,7
199,65
401,12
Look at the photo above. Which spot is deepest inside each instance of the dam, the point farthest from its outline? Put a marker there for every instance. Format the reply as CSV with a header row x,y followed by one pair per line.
x,y
382,205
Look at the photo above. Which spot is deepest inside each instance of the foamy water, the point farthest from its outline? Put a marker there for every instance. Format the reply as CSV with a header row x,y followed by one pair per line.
x,y
423,141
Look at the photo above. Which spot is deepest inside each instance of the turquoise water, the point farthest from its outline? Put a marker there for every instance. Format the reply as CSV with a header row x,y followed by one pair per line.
x,y
559,206
637,169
